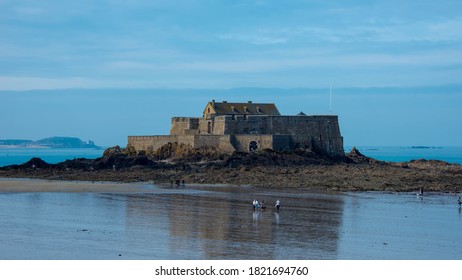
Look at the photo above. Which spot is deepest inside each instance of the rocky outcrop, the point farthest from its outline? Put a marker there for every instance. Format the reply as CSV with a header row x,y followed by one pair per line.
x,y
35,163
264,168
357,157
183,152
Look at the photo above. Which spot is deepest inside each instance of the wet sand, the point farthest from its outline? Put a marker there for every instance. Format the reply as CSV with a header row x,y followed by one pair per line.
x,y
37,185
78,220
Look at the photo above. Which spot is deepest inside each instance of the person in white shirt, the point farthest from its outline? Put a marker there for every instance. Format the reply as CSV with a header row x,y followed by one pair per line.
x,y
277,205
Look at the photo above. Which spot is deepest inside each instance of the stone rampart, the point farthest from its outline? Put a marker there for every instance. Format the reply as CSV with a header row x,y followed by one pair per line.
x,y
243,133
182,125
155,142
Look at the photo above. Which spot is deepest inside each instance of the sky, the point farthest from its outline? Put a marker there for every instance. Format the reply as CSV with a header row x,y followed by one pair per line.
x,y
106,69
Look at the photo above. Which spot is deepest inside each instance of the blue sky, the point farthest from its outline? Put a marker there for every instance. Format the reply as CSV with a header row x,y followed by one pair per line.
x,y
399,59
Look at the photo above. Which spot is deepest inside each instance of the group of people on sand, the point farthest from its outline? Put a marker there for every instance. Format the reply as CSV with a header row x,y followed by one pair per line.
x,y
177,183
256,205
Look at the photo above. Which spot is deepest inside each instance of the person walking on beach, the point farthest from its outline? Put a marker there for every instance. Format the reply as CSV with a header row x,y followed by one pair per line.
x,y
254,204
263,206
277,205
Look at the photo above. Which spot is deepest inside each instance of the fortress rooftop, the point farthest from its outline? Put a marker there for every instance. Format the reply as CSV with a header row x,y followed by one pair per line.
x,y
225,108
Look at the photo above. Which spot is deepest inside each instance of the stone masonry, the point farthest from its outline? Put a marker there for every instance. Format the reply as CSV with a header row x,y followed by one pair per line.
x,y
248,127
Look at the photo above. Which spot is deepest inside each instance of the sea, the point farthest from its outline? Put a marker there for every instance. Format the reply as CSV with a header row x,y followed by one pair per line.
x,y
217,222
399,154
9,156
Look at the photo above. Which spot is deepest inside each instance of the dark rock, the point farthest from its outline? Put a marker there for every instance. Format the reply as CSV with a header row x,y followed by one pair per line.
x,y
357,157
36,163
141,160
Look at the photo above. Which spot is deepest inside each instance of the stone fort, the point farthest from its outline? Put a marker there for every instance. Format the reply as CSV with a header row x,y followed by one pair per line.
x,y
248,127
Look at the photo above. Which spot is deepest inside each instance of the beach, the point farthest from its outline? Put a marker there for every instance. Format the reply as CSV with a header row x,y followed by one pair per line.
x,y
38,185
82,220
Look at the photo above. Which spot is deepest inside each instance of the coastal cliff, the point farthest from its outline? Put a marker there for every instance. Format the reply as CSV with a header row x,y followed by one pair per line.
x,y
266,168
51,142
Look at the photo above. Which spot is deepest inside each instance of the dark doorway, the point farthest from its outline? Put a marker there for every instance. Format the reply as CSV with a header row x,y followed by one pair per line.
x,y
253,146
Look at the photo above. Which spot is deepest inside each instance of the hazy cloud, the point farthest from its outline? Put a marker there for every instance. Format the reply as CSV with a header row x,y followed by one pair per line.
x,y
52,43
254,39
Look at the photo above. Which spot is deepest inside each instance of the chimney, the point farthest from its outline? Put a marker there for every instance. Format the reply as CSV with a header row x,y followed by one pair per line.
x,y
213,102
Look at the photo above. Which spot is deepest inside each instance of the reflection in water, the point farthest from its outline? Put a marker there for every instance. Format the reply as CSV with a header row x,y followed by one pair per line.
x,y
220,224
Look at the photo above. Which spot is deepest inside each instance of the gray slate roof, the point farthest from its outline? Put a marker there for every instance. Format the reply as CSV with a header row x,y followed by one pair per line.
x,y
225,108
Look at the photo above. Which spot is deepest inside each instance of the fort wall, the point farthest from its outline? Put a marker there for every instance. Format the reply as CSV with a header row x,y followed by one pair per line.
x,y
182,125
243,133
155,142
222,142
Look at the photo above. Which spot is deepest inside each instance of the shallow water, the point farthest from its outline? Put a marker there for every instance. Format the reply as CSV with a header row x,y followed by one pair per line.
x,y
218,223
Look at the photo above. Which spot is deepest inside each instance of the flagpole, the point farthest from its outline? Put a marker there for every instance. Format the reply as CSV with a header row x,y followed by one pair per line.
x,y
330,99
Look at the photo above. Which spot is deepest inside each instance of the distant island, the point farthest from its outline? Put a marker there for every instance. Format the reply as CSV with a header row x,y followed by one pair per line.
x,y
51,142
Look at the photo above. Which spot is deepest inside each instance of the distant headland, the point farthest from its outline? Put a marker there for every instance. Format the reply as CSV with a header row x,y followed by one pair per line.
x,y
51,142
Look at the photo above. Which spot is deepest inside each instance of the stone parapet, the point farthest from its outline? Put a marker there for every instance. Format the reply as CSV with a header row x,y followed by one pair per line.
x,y
249,132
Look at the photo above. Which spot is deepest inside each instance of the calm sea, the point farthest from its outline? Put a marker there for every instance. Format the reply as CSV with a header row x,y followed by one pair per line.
x,y
10,156
218,222
394,154
399,154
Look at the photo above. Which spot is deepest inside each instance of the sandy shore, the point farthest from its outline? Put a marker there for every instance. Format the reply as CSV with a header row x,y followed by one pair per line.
x,y
37,185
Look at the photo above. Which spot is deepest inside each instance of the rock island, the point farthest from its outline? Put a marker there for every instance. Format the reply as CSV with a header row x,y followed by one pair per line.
x,y
249,144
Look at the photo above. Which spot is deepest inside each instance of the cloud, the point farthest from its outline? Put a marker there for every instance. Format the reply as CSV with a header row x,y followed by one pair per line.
x,y
47,44
392,32
28,83
254,39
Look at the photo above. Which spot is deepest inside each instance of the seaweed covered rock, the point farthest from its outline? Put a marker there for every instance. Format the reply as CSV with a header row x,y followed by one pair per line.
x,y
357,157
183,152
268,157
36,163
116,157
112,150
76,164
